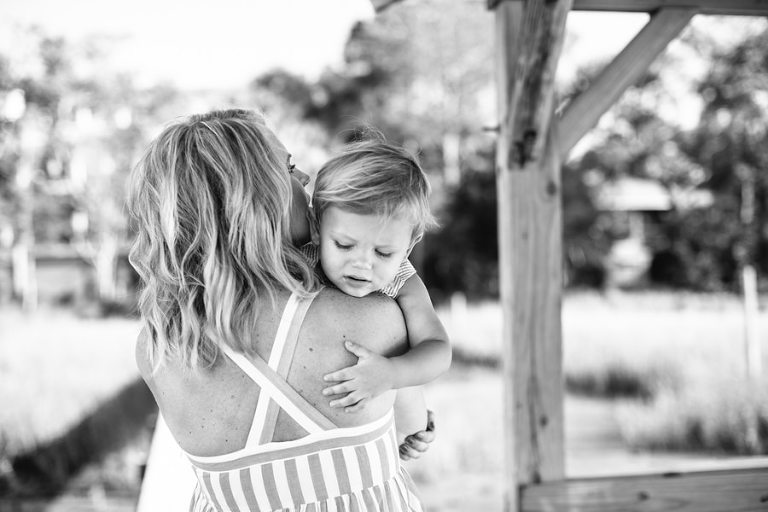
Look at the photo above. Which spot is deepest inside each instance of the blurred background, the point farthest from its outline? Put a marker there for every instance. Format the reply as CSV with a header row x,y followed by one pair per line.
x,y
665,225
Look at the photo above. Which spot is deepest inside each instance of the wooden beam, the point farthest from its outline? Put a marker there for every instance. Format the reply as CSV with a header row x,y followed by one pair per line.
x,y
733,7
723,7
381,5
743,490
529,37
583,113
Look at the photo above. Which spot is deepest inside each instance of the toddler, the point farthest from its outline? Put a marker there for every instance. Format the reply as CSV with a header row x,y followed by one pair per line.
x,y
369,208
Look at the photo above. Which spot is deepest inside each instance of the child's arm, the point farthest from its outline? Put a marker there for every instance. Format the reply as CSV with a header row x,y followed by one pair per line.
x,y
429,356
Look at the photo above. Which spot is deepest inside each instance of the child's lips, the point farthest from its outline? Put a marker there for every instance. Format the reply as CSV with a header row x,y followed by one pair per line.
x,y
355,280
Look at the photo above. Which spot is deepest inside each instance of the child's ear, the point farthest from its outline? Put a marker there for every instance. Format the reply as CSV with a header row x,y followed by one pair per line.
x,y
416,239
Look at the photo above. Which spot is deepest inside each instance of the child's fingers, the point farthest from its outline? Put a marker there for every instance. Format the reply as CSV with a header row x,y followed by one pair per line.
x,y
338,376
356,349
408,453
416,444
425,436
339,389
350,399
359,406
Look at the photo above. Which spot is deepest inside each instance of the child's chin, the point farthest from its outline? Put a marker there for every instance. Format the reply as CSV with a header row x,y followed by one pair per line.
x,y
355,292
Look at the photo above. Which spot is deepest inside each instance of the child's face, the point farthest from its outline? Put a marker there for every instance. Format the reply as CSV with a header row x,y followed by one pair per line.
x,y
362,253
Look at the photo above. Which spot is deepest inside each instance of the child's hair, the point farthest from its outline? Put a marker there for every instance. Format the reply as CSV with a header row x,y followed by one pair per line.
x,y
374,177
210,201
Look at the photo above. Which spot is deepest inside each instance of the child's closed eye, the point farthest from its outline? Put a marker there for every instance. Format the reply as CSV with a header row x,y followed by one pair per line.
x,y
384,255
343,247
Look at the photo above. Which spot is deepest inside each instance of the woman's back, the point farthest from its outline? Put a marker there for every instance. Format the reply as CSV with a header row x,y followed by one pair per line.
x,y
209,410
347,461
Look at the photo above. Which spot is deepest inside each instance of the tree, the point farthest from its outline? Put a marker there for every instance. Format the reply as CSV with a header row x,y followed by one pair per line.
x,y
731,143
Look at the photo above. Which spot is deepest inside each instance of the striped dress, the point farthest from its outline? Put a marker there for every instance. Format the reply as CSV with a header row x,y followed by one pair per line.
x,y
330,469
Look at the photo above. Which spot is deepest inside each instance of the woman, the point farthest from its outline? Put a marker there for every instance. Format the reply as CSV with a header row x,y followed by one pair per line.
x,y
238,333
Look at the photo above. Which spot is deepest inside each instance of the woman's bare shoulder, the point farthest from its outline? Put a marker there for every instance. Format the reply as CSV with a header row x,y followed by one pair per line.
x,y
375,320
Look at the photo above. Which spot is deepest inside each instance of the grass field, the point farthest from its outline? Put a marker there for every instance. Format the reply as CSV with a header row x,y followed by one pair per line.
x,y
665,352
56,368
67,399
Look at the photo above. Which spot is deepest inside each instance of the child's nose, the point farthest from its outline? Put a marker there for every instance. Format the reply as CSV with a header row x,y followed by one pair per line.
x,y
363,260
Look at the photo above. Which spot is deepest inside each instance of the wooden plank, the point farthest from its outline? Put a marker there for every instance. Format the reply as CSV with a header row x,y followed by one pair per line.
x,y
734,7
743,490
529,38
725,7
583,113
509,17
381,5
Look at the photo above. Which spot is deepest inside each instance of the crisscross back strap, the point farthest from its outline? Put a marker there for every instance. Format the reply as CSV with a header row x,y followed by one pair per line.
x,y
281,359
267,406
275,392
276,388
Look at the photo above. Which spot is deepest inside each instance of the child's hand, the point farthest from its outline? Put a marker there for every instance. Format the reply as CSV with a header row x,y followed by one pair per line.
x,y
370,377
416,444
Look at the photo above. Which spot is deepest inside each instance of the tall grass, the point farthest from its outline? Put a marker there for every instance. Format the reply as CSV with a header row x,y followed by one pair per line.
x,y
722,416
54,367
677,358
69,396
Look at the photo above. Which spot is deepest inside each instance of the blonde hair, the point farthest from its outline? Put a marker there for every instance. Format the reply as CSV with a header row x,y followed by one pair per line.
x,y
210,201
373,177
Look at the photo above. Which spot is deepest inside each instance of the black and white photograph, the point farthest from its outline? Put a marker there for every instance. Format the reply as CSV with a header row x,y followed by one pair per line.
x,y
384,256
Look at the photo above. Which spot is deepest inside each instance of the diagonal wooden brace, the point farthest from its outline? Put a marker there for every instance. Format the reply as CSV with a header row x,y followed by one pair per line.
x,y
583,113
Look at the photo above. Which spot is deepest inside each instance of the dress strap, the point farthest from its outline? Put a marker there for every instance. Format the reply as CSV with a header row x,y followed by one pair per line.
x,y
268,407
273,387
282,357
286,321
275,392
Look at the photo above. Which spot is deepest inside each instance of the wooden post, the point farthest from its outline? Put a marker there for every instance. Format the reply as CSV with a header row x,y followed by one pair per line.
x,y
529,38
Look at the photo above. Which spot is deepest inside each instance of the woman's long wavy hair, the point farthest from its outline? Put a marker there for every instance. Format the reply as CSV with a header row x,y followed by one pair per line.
x,y
211,201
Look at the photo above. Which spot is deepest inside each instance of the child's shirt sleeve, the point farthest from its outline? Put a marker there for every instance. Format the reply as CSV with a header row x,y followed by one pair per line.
x,y
405,272
311,253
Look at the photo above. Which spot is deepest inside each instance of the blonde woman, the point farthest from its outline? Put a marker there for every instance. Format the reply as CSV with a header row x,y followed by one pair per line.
x,y
238,334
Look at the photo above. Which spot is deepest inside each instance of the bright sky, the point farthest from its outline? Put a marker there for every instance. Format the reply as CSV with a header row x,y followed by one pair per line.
x,y
200,44
225,44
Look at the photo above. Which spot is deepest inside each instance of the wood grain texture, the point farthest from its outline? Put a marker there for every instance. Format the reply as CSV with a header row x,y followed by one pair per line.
x,y
528,39
583,113
382,5
526,110
735,7
508,19
743,490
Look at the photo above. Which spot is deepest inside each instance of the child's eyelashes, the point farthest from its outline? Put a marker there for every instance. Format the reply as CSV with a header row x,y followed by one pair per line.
x,y
347,247
343,247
